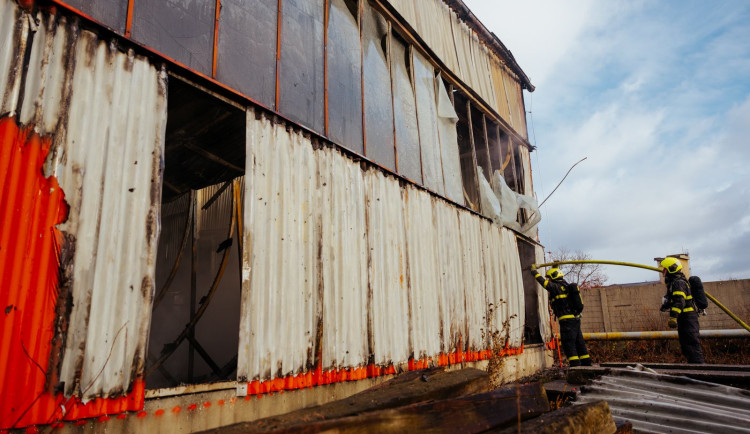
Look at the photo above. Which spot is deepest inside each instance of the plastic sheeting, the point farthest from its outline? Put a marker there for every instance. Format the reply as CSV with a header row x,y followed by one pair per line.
x,y
405,112
181,29
511,202
429,139
344,86
256,78
301,70
419,277
447,120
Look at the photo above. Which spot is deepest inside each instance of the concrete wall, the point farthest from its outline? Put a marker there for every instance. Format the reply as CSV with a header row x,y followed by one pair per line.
x,y
625,308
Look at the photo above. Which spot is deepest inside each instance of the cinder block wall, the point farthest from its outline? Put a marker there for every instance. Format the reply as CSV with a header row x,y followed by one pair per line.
x,y
635,307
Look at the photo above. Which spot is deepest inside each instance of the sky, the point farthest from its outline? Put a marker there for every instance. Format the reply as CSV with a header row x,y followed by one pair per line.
x,y
656,96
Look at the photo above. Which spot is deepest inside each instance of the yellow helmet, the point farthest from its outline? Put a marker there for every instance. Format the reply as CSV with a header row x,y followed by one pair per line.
x,y
672,265
555,273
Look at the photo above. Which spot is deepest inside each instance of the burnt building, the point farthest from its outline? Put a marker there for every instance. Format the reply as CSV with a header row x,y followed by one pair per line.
x,y
208,201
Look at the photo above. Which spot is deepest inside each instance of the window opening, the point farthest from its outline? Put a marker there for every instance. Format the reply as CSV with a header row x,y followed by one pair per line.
x,y
479,134
531,330
196,311
466,152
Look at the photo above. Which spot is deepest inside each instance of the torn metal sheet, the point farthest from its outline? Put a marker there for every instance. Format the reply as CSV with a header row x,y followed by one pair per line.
x,y
106,110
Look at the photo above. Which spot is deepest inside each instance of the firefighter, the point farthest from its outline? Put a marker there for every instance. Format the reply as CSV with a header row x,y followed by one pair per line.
x,y
565,299
683,314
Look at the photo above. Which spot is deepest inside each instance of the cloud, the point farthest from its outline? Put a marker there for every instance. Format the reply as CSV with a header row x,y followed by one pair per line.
x,y
656,95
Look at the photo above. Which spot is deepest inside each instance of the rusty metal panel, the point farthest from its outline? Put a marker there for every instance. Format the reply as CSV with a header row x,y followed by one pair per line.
x,y
498,83
246,51
433,23
281,303
344,253
181,29
427,112
112,13
301,75
14,28
452,306
106,110
473,283
387,268
513,280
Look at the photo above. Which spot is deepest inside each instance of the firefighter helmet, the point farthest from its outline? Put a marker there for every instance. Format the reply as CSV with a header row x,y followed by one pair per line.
x,y
672,265
555,273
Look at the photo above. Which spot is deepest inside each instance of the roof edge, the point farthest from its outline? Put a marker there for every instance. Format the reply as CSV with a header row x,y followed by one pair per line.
x,y
465,14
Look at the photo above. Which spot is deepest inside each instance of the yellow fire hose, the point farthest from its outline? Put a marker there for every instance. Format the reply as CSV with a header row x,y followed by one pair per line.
x,y
647,267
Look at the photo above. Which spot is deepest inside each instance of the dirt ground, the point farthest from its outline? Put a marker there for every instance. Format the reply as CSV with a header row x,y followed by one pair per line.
x,y
716,351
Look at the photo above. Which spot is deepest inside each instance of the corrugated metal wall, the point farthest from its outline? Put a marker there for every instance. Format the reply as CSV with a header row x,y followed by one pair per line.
x,y
105,112
463,53
372,270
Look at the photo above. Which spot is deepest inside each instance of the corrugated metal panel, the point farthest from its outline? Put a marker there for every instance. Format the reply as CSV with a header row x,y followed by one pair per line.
x,y
109,117
429,139
32,205
104,112
449,152
423,273
498,84
344,261
377,273
14,26
666,404
281,304
387,264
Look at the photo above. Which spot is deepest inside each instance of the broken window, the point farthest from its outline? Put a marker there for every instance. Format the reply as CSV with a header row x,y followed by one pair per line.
x,y
344,51
181,29
494,146
301,80
531,330
449,151
246,60
196,310
379,143
480,142
405,110
509,162
466,152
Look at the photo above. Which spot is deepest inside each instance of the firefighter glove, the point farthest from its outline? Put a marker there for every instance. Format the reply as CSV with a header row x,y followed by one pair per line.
x,y
664,304
533,267
672,323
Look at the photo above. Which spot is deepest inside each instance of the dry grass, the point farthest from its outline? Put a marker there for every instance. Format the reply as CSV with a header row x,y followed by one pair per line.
x,y
730,351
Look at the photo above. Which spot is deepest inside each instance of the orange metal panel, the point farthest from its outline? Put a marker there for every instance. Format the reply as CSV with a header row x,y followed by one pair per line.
x,y
30,245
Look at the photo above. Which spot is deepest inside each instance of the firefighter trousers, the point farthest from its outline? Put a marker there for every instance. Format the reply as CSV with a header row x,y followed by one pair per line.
x,y
572,342
688,331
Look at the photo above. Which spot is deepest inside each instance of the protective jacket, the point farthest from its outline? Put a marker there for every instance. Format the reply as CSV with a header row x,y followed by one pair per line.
x,y
679,302
559,294
565,299
678,298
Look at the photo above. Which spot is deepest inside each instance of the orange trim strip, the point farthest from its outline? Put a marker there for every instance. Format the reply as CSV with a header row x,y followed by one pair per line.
x,y
216,37
278,55
129,19
327,4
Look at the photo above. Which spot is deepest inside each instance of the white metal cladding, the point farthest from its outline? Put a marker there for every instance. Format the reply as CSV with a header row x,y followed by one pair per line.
x,y
14,26
344,260
388,285
106,112
422,239
451,157
380,272
280,304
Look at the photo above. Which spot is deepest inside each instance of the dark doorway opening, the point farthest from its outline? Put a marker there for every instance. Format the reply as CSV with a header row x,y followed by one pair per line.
x,y
194,334
531,330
